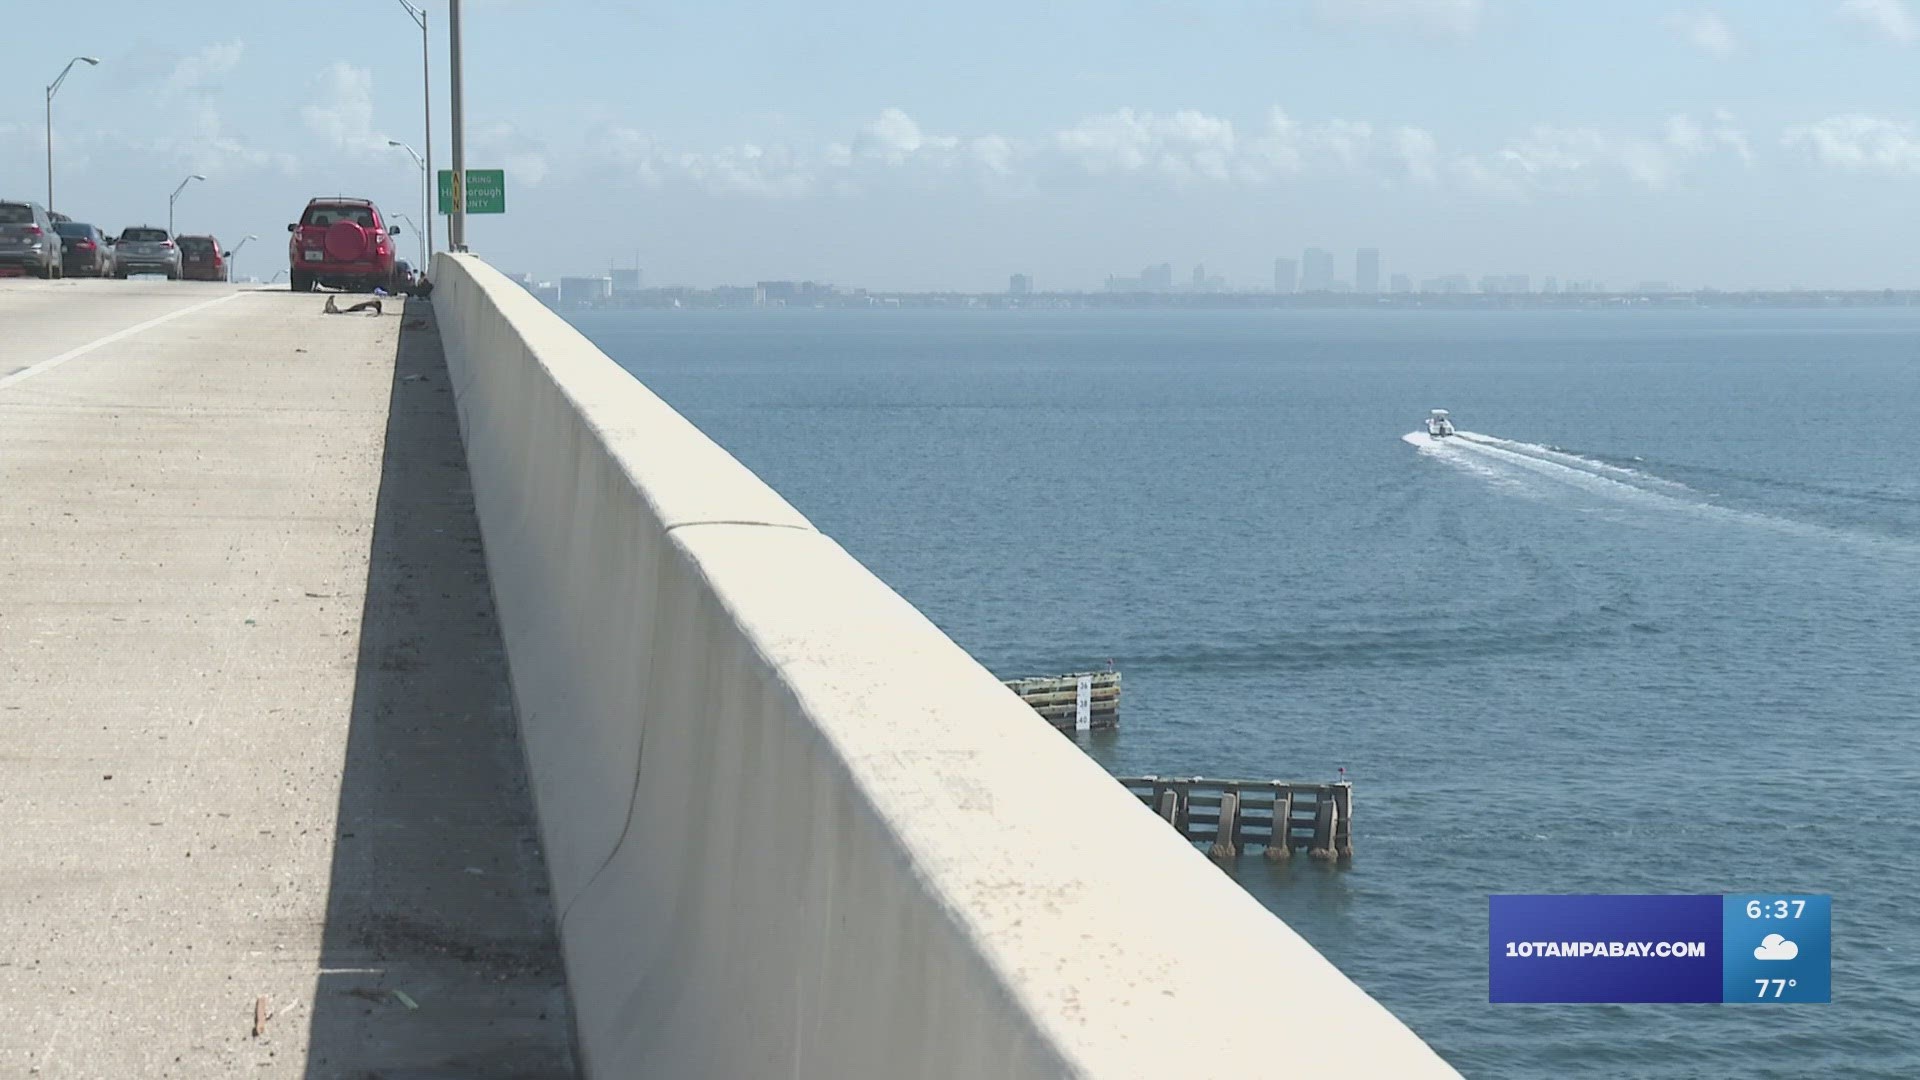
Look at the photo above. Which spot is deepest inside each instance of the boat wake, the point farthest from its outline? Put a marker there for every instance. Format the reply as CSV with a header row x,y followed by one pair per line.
x,y
1537,471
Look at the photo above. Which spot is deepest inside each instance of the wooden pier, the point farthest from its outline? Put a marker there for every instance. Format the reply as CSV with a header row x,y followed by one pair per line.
x,y
1230,816
1084,701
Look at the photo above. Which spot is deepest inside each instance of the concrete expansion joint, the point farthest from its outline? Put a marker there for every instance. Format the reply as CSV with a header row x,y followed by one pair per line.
x,y
764,524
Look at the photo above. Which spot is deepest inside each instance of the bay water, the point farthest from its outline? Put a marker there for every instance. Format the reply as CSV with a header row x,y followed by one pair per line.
x,y
1652,624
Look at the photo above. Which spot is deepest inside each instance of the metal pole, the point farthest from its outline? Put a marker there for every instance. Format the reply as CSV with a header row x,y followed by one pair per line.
x,y
423,243
52,89
171,199
426,98
233,259
457,219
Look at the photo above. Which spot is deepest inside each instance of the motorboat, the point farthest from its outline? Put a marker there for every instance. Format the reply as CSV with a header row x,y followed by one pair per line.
x,y
1439,425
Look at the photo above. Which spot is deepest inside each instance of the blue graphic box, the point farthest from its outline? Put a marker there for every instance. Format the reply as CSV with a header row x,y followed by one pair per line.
x,y
1604,948
1779,948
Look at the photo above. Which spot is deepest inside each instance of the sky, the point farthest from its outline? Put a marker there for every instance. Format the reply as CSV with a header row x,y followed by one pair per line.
x,y
1749,144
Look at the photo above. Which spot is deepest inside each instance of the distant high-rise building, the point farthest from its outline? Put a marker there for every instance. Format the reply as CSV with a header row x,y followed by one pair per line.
x,y
1019,285
626,280
1286,275
585,290
1316,270
1401,283
1550,285
1157,278
1199,275
1366,271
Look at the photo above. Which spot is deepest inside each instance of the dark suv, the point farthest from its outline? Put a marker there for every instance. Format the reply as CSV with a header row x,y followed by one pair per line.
x,y
342,243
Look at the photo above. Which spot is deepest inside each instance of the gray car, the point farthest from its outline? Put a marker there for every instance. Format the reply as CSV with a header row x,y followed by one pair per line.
x,y
28,239
143,249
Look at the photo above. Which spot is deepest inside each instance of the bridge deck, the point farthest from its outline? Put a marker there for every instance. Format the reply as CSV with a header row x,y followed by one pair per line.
x,y
256,738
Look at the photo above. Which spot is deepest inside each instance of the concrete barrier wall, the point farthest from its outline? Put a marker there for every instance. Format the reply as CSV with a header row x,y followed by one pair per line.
x,y
793,829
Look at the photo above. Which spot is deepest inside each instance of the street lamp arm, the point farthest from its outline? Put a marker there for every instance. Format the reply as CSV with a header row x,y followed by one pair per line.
x,y
417,14
54,87
417,159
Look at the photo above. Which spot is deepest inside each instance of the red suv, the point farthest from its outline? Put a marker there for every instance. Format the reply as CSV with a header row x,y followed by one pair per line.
x,y
343,244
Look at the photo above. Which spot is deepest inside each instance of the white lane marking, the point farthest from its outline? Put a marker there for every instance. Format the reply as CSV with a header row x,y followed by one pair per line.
x,y
30,371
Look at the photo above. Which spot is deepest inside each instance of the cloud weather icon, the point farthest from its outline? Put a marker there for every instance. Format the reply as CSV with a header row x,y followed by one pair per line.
x,y
1775,947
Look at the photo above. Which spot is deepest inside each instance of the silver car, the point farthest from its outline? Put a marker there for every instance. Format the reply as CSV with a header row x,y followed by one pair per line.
x,y
143,249
28,239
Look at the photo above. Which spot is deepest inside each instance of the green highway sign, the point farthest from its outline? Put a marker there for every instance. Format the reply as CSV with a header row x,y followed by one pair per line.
x,y
486,191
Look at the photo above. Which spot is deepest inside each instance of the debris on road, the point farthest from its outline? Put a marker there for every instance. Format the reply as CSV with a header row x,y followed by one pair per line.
x,y
364,305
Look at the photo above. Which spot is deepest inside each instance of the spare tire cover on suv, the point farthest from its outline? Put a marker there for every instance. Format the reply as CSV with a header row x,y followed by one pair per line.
x,y
346,241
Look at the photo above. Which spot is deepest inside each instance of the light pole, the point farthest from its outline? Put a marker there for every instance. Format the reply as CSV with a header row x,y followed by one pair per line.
x,y
233,257
419,14
171,199
418,160
52,89
415,226
457,213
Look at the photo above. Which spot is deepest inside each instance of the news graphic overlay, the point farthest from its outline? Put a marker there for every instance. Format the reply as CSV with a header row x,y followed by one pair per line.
x,y
1779,947
1757,948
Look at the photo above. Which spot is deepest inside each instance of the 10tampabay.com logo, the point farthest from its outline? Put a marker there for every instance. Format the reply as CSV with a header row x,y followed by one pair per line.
x,y
1750,947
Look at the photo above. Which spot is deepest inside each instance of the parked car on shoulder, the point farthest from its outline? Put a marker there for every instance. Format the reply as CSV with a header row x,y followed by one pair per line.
x,y
85,249
143,249
342,243
28,242
201,259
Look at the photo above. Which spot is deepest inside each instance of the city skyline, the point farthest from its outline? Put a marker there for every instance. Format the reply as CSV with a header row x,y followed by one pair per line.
x,y
1372,275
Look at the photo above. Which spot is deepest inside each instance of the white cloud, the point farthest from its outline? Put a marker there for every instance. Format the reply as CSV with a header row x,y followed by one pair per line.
x,y
504,145
1775,947
1419,153
1555,158
176,122
1186,145
1451,17
747,169
1687,136
196,72
1891,19
1858,142
342,112
995,153
1704,30
1187,148
896,139
206,146
1193,147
